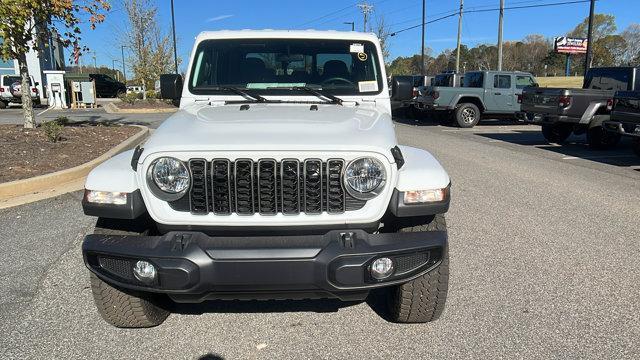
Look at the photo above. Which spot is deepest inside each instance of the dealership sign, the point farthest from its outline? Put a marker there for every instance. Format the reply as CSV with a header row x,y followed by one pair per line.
x,y
567,45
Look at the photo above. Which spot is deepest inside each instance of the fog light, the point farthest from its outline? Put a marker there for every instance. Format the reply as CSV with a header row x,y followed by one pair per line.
x,y
144,271
381,268
106,197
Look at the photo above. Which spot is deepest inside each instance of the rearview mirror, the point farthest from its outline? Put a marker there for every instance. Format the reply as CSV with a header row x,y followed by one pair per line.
x,y
171,86
401,88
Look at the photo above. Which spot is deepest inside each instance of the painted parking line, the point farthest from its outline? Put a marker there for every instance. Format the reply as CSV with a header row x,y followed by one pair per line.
x,y
43,112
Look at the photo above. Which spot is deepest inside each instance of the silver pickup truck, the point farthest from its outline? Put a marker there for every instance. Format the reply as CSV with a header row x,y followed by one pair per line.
x,y
482,92
563,111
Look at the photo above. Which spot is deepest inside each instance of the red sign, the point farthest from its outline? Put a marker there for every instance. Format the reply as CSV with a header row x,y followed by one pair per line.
x,y
567,45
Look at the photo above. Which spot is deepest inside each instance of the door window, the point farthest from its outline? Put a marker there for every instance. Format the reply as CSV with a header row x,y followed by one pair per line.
x,y
502,82
524,81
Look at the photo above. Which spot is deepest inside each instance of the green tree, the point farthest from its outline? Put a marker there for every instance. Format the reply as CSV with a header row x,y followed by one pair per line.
x,y
25,24
603,25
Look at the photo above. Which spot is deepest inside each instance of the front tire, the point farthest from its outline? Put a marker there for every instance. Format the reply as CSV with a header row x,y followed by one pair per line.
x,y
120,307
421,300
467,115
635,145
557,133
600,139
3,104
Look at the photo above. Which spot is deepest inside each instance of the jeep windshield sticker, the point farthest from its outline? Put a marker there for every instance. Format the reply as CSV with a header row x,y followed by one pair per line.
x,y
367,86
356,48
362,56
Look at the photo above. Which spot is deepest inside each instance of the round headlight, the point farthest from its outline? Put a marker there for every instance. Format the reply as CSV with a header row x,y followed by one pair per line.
x,y
170,175
365,178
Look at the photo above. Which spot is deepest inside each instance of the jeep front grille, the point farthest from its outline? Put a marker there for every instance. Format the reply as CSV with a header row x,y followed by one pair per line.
x,y
267,187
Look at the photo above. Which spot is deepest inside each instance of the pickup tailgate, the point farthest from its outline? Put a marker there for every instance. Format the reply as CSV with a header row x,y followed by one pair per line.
x,y
541,100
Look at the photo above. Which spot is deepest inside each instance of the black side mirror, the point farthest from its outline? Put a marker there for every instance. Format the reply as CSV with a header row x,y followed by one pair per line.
x,y
171,86
37,83
401,88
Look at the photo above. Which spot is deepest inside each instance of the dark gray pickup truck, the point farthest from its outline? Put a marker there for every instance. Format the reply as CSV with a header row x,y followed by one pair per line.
x,y
625,117
563,111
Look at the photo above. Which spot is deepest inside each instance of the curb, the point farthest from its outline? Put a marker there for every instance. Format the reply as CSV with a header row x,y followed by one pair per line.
x,y
23,191
112,108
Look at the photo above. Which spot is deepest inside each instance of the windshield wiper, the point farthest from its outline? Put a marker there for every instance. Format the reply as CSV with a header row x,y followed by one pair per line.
x,y
321,94
255,97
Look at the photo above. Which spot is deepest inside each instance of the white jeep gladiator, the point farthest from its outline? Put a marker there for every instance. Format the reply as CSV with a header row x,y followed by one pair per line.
x,y
280,177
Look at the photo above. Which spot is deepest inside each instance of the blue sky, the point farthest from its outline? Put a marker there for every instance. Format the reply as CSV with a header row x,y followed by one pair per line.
x,y
194,16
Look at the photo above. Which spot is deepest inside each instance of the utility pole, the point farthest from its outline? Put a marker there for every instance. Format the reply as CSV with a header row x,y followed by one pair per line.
x,y
366,10
459,36
352,23
500,21
587,60
124,68
95,63
424,13
113,67
173,28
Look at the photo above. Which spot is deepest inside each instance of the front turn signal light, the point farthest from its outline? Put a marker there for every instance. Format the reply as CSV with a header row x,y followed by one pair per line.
x,y
424,196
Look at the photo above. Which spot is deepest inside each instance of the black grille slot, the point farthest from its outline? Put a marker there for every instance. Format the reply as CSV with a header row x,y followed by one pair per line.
x,y
243,180
118,267
290,183
267,187
335,192
409,262
221,187
199,202
313,186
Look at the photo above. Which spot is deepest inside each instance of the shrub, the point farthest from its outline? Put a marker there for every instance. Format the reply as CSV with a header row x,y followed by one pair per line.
x,y
62,120
152,95
130,98
52,130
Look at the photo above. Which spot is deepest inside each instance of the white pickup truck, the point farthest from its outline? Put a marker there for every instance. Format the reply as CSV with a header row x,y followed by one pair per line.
x,y
280,177
11,90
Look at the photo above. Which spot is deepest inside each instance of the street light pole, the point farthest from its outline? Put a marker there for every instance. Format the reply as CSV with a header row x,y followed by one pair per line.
x,y
124,68
422,69
173,27
113,67
587,60
500,21
352,23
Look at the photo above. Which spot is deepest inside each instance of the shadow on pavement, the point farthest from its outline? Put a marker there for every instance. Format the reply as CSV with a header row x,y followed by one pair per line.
x,y
211,356
261,306
576,147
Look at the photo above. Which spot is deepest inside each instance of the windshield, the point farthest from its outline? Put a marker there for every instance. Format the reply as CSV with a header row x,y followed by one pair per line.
x,y
10,80
608,79
276,66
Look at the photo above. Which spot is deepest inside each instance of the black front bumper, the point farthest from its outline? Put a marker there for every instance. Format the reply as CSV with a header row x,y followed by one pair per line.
x,y
193,267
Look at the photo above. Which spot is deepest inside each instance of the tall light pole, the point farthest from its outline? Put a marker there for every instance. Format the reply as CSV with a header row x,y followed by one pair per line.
x,y
173,28
424,14
352,23
587,60
124,68
113,67
459,36
366,10
500,20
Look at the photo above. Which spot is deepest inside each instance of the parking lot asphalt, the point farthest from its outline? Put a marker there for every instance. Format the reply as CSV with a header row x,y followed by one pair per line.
x,y
543,245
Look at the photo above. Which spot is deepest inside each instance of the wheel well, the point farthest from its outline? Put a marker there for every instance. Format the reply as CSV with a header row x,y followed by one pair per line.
x,y
472,100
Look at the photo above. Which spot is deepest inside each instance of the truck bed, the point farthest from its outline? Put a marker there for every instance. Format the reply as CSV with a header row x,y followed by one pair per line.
x,y
546,101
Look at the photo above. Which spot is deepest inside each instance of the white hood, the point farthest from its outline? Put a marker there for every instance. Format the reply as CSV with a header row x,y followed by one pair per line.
x,y
274,127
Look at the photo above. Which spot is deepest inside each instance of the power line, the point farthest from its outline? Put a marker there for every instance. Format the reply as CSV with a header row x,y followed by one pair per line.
x,y
492,9
329,14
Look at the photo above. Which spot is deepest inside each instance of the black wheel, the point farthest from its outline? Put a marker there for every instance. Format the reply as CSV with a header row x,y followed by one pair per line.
x,y
3,105
422,299
601,139
467,115
635,145
120,307
556,133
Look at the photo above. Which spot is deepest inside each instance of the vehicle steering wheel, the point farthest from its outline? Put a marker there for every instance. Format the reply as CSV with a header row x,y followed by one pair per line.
x,y
338,79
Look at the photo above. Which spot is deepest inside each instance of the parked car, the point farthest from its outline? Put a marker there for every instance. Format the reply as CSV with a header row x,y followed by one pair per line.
x,y
135,89
482,92
447,79
625,117
405,106
286,182
11,90
106,86
563,111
